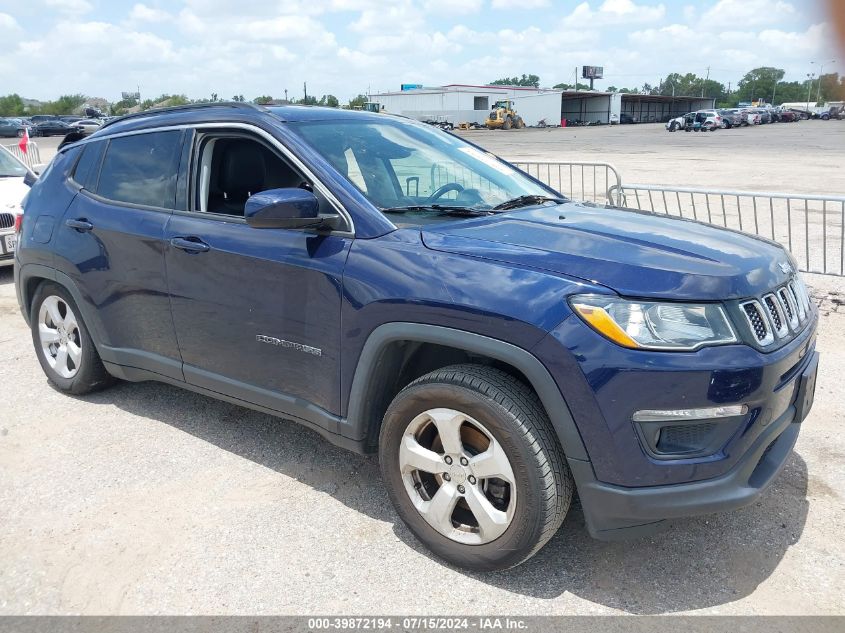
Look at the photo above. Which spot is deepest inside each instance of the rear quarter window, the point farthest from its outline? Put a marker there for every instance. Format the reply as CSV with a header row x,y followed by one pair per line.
x,y
142,169
88,166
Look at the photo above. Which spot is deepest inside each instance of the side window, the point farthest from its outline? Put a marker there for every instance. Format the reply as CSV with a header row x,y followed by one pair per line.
x,y
88,166
142,169
229,169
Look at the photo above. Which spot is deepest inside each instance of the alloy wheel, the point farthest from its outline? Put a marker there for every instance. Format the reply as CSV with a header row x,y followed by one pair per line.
x,y
458,476
58,333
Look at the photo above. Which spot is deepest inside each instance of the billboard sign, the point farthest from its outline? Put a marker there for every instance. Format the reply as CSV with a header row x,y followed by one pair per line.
x,y
410,86
130,95
592,72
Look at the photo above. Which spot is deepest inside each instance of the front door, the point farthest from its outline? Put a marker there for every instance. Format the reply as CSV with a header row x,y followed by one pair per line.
x,y
256,311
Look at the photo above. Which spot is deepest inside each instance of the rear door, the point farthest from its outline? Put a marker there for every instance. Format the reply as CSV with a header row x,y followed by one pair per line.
x,y
111,242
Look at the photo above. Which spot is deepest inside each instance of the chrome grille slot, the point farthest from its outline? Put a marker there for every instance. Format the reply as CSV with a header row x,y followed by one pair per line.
x,y
787,303
759,324
776,316
799,303
7,220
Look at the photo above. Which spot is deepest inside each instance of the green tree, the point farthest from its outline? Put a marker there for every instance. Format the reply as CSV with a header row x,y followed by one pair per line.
x,y
12,105
358,102
263,100
525,80
580,86
329,101
309,100
760,83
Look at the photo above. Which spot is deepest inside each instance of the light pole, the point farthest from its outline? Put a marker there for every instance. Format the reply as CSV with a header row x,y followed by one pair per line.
x,y
821,70
810,77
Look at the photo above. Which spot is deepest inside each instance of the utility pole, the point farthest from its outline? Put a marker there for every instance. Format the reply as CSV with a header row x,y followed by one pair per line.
x,y
705,82
305,91
810,77
821,71
286,94
576,79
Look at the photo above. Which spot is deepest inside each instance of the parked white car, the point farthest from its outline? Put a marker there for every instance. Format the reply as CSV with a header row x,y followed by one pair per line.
x,y
13,188
88,126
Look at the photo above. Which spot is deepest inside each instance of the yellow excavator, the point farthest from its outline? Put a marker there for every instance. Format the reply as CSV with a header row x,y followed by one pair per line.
x,y
503,116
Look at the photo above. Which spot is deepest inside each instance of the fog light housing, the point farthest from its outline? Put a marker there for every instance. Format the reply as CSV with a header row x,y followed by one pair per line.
x,y
686,433
668,415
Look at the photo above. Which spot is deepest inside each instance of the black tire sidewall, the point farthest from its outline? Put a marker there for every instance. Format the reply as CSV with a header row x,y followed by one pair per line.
x,y
90,375
526,527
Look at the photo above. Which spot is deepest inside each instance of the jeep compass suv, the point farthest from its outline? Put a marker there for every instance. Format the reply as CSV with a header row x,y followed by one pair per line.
x,y
406,293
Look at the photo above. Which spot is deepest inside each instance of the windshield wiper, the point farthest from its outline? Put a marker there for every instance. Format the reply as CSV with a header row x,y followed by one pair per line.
x,y
440,208
525,201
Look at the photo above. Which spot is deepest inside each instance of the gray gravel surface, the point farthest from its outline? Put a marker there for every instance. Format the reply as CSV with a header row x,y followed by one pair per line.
x,y
146,499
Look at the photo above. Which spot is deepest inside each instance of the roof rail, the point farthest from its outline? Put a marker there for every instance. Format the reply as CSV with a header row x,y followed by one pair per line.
x,y
183,108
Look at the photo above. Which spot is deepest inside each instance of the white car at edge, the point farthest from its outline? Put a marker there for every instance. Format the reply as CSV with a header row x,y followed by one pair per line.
x,y
13,188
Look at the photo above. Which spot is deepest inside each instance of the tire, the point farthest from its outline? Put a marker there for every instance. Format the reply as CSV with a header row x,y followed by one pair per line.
x,y
673,127
83,371
19,133
519,123
507,124
491,406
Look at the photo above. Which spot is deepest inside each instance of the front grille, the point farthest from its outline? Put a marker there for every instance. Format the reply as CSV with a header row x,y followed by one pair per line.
x,y
776,315
779,314
7,220
787,302
758,323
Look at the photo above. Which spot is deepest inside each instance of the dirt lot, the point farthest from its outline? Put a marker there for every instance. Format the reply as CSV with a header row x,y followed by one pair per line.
x,y
803,157
148,499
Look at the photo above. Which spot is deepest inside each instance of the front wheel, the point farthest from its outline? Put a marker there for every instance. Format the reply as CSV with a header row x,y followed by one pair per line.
x,y
471,463
63,344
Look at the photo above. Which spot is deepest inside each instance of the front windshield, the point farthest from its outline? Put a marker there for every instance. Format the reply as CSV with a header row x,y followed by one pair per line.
x,y
399,164
9,166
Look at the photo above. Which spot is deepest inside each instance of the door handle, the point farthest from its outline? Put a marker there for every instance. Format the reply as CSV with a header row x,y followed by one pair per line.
x,y
190,244
81,225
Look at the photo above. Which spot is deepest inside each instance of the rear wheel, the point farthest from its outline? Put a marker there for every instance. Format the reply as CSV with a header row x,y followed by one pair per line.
x,y
508,123
20,133
471,463
62,343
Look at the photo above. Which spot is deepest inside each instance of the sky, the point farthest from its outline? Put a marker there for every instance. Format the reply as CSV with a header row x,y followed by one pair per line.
x,y
346,47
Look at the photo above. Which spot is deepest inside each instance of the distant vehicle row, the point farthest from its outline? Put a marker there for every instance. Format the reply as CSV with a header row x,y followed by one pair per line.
x,y
47,125
711,120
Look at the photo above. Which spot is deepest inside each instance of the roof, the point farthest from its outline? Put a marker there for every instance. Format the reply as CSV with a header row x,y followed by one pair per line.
x,y
217,112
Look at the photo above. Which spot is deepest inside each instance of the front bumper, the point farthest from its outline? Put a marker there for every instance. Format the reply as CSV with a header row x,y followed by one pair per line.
x,y
614,512
626,488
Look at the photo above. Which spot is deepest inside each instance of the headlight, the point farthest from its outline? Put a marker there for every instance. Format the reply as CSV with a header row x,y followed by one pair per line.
x,y
655,324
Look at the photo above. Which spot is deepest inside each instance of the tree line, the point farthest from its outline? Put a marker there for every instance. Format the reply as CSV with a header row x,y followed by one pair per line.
x,y
760,84
14,105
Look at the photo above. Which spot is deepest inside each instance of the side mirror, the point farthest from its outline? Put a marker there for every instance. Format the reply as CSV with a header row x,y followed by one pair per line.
x,y
29,179
291,208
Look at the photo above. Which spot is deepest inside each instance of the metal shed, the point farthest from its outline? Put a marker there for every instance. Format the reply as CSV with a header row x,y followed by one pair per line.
x,y
459,103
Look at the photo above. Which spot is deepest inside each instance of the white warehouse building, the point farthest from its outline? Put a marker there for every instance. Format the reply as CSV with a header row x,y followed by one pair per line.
x,y
462,103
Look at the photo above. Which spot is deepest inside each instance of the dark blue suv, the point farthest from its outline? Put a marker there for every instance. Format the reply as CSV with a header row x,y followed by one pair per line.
x,y
404,292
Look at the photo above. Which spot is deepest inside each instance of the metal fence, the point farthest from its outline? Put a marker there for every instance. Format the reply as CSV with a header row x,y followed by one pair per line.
x,y
811,227
31,158
591,182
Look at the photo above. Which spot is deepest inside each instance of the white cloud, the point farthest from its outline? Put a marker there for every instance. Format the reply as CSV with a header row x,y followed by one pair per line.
x,y
750,12
453,7
520,6
8,23
614,12
70,6
143,13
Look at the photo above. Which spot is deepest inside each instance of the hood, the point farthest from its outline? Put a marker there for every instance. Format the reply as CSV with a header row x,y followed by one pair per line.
x,y
12,191
636,254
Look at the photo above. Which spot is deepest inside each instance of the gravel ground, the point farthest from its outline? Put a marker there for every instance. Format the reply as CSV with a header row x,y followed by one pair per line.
x,y
145,499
